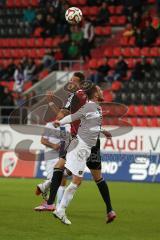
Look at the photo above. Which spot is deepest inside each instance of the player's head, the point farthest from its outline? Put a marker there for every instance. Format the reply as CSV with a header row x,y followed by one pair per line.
x,y
95,93
61,114
77,79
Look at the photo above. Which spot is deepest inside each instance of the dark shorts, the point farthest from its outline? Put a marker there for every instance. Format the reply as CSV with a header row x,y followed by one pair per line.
x,y
94,161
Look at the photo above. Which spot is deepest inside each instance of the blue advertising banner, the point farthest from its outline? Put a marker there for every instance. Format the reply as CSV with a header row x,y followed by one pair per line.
x,y
130,167
121,167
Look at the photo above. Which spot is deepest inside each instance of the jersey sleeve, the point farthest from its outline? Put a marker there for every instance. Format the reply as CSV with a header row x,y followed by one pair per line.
x,y
75,116
46,132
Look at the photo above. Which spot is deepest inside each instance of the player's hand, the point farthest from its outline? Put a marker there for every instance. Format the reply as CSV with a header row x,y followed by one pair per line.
x,y
56,123
107,134
56,147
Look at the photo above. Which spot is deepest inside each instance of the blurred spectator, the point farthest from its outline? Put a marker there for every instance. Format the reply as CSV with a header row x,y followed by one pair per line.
x,y
88,39
8,102
64,45
95,77
149,34
58,54
137,72
135,19
103,15
2,3
76,34
146,65
29,15
2,71
48,59
63,27
39,21
94,2
104,68
138,37
73,50
50,27
9,71
30,70
158,7
19,79
120,68
129,31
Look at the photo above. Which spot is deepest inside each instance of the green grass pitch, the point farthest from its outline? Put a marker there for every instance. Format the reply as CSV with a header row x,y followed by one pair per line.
x,y
137,206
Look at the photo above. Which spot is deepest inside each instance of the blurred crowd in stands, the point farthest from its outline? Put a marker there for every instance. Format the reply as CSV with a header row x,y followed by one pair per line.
x,y
77,41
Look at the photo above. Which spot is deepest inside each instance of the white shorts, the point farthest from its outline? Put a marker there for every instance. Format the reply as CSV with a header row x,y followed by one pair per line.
x,y
76,157
50,167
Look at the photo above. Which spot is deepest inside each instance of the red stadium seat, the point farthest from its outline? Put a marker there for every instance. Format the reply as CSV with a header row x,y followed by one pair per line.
x,y
22,42
154,52
17,3
10,3
39,42
117,52
73,2
154,122
111,10
113,20
132,41
136,52
48,42
140,111
124,41
41,52
157,111
93,11
82,2
34,3
112,62
108,52
119,10
133,121
31,42
127,52
150,111
116,86
131,111
85,10
158,41
121,20
130,62
145,52
93,64
143,122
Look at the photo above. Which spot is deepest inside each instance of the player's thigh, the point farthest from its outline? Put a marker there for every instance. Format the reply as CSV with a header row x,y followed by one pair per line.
x,y
60,164
50,164
77,180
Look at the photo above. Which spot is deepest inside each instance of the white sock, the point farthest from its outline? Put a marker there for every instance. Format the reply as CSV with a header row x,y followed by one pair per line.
x,y
45,185
67,196
60,193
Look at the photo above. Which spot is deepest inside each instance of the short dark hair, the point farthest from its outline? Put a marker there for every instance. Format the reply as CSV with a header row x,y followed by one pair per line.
x,y
80,75
91,91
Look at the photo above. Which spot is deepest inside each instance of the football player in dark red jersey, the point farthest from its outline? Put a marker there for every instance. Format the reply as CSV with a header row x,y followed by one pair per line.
x,y
75,101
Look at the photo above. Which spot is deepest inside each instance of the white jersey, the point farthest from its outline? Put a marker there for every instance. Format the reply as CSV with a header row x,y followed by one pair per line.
x,y
53,135
91,119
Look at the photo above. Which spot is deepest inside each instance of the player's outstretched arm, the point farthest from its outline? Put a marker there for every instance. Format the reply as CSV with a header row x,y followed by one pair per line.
x,y
46,143
73,117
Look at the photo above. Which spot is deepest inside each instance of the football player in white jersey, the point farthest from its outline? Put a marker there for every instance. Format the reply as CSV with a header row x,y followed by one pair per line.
x,y
80,148
53,139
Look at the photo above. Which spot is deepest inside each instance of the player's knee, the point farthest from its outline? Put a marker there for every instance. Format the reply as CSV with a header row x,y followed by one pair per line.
x,y
77,181
96,175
